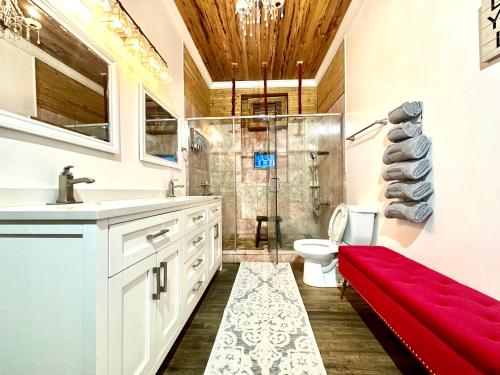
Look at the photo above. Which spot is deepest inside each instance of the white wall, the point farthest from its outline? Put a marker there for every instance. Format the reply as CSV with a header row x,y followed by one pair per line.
x,y
29,165
429,50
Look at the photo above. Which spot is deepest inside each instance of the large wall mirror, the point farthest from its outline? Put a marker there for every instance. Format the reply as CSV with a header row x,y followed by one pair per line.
x,y
160,132
54,84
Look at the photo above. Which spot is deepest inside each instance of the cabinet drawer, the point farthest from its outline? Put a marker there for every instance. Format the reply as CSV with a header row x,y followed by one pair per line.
x,y
214,211
195,281
194,242
135,240
194,294
195,267
196,218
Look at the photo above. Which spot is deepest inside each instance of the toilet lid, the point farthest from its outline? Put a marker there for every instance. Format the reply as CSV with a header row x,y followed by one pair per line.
x,y
338,223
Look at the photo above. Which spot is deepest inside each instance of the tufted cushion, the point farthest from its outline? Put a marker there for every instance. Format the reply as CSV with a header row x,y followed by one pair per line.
x,y
467,320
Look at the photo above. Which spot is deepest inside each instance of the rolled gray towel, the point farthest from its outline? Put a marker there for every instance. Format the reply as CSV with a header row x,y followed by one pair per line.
x,y
405,112
411,191
414,212
411,149
404,131
410,170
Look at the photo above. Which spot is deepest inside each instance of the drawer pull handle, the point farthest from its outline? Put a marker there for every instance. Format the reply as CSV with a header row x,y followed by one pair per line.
x,y
196,242
151,237
216,230
163,288
156,275
198,286
197,218
198,263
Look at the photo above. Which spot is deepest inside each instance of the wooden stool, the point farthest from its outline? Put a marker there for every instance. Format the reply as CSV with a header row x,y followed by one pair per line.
x,y
263,237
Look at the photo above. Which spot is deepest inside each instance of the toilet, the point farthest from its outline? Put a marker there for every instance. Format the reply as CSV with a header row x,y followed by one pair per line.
x,y
349,225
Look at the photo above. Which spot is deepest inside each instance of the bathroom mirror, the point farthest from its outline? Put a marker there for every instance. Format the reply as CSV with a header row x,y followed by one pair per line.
x,y
160,132
54,83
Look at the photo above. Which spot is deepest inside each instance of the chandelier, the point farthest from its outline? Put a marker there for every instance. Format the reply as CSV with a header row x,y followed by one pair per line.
x,y
253,12
13,19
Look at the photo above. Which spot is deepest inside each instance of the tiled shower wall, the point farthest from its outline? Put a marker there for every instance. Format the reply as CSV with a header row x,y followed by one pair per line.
x,y
331,167
199,162
222,172
199,168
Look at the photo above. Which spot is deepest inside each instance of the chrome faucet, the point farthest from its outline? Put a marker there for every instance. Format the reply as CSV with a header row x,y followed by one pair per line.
x,y
66,183
172,187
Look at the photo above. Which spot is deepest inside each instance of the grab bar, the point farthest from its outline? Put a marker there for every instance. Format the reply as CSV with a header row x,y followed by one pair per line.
x,y
378,122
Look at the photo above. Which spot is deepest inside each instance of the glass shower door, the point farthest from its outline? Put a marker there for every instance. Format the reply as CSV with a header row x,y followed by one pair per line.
x,y
273,227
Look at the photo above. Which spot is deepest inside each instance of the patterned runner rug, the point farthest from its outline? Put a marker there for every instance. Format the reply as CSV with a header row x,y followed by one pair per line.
x,y
265,328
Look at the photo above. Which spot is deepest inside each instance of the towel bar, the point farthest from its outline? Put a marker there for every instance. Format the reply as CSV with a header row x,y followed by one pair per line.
x,y
378,122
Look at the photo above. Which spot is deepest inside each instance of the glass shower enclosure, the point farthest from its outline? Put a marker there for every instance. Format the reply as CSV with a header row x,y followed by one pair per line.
x,y
279,176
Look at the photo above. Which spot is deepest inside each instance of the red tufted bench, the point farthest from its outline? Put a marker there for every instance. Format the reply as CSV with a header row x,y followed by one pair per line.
x,y
449,327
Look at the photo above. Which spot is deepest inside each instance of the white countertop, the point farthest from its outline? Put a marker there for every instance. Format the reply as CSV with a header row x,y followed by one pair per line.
x,y
99,210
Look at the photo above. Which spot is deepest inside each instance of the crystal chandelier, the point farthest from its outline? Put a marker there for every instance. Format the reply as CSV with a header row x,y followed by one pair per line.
x,y
13,19
253,12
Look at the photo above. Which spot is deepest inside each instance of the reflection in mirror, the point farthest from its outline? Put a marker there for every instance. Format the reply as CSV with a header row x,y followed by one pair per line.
x,y
52,77
161,131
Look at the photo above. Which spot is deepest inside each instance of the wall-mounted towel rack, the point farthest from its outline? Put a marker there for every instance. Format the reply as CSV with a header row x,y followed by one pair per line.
x,y
378,122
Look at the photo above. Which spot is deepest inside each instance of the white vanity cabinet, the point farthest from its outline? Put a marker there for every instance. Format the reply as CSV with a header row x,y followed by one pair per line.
x,y
103,288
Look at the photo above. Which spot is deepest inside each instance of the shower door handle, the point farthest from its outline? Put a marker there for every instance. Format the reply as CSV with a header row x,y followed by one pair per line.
x,y
277,185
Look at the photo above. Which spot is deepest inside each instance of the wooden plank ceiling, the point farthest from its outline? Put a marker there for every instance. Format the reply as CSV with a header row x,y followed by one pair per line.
x,y
304,34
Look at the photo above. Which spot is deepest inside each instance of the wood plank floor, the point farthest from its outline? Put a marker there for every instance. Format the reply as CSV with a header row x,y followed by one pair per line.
x,y
351,338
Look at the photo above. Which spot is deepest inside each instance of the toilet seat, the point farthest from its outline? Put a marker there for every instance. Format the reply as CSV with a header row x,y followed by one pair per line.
x,y
337,224
315,246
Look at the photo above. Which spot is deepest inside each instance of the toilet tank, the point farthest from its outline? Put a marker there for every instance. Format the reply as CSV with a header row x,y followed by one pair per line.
x,y
360,223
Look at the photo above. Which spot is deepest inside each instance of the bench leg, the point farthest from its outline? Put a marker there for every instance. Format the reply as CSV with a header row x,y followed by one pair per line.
x,y
342,289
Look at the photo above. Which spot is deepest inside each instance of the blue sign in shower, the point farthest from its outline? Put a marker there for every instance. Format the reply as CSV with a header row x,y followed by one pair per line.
x,y
263,160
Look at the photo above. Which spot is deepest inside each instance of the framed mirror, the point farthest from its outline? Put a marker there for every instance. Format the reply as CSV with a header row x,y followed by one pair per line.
x,y
53,82
160,131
